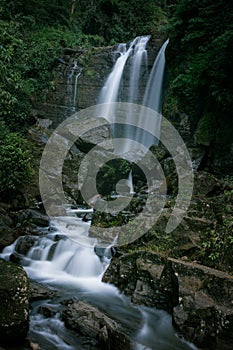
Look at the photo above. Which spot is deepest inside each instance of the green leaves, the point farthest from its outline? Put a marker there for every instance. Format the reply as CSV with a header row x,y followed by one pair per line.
x,y
119,21
200,59
15,168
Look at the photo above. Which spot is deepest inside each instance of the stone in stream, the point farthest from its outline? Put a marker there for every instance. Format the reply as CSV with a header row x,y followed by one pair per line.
x,y
14,305
89,321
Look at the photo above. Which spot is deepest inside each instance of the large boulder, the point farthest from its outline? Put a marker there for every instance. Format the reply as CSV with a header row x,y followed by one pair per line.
x,y
205,310
14,305
147,277
89,321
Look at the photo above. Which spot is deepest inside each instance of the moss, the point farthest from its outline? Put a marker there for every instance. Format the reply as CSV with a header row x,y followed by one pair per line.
x,y
206,129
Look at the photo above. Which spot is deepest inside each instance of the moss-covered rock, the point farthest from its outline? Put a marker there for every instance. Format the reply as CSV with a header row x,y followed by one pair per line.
x,y
205,312
14,305
147,277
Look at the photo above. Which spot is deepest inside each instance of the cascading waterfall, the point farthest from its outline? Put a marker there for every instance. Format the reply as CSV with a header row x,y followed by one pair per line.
x,y
62,260
110,90
137,60
137,55
65,259
153,96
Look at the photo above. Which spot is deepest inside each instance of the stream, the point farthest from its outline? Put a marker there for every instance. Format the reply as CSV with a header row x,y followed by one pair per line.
x,y
63,259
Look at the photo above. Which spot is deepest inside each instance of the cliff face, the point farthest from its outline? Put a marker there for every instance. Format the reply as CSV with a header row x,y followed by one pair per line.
x,y
79,77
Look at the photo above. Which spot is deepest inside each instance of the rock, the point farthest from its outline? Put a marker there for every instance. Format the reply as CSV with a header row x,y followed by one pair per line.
x,y
14,305
24,244
204,183
32,218
147,277
5,219
199,298
7,236
103,253
205,311
38,292
87,320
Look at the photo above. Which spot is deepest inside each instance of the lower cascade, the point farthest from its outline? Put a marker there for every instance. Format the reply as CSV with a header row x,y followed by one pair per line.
x,y
61,261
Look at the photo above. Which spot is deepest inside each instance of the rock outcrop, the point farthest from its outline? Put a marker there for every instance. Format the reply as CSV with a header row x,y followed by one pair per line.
x,y
199,298
89,321
205,310
14,305
147,277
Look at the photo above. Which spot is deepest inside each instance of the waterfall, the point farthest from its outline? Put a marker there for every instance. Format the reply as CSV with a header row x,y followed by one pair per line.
x,y
61,259
72,81
153,97
65,256
136,54
110,90
137,60
130,182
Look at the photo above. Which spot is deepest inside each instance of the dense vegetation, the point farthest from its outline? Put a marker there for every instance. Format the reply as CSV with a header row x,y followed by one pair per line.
x,y
200,58
32,36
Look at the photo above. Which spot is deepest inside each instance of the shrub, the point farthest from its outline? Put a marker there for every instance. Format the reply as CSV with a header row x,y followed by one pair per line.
x,y
15,166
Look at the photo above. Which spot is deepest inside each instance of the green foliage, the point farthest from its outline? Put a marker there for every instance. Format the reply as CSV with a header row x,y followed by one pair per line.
x,y
15,169
109,175
200,58
37,11
217,243
122,20
28,54
14,104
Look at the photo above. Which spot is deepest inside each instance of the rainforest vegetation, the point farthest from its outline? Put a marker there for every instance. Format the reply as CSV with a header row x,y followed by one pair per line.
x,y
34,33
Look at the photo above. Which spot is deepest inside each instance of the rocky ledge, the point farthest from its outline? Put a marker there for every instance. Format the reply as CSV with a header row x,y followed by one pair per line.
x,y
199,298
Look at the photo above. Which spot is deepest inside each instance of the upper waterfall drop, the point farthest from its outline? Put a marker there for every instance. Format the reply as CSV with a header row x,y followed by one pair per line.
x,y
152,97
136,56
111,89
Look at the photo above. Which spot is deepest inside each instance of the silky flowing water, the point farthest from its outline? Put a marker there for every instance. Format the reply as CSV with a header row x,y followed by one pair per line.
x,y
64,259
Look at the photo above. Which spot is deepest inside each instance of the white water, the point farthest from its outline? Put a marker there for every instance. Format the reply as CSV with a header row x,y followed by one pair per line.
x,y
130,182
136,55
138,59
76,270
110,90
153,97
72,81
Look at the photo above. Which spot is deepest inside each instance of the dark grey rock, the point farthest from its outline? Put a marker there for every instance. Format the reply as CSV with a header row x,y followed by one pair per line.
x,y
14,305
89,321
205,310
147,277
38,292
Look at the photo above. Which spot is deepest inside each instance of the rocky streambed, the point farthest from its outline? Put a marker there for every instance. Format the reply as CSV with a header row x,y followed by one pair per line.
x,y
197,298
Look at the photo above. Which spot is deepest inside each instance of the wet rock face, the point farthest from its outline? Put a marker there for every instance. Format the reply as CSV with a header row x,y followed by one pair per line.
x,y
205,310
91,322
147,277
14,305
200,298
